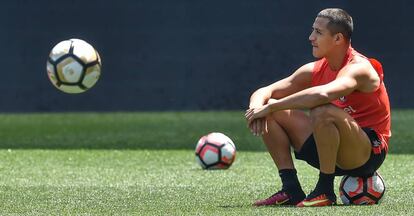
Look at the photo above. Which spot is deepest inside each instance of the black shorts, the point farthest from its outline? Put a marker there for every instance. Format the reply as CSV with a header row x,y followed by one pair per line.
x,y
309,154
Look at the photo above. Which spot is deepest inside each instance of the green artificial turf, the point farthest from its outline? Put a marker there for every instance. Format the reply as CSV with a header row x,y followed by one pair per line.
x,y
144,164
164,182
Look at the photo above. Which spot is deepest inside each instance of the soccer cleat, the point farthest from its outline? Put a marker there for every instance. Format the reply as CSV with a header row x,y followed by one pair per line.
x,y
280,198
317,201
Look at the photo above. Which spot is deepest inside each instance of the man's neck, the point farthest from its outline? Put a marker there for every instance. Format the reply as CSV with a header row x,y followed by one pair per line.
x,y
336,58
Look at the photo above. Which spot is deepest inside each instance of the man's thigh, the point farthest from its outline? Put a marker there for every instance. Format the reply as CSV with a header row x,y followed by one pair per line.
x,y
309,153
296,124
355,146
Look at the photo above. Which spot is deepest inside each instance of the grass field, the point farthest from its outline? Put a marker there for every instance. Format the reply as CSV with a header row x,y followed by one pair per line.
x,y
143,164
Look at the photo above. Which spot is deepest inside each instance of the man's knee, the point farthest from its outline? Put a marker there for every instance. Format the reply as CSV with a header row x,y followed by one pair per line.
x,y
324,114
277,117
280,115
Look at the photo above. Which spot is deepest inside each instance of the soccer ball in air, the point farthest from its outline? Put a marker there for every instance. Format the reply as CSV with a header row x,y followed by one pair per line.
x,y
362,190
215,151
73,66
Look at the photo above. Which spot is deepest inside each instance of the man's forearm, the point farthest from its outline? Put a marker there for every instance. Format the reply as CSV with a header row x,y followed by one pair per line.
x,y
259,98
307,98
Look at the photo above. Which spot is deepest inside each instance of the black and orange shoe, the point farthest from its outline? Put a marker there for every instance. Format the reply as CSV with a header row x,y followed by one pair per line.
x,y
281,198
318,200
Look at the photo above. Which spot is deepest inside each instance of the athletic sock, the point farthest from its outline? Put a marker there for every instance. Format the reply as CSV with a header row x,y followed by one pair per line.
x,y
290,182
325,185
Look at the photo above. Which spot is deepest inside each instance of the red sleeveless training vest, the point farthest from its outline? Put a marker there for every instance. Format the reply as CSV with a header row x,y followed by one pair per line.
x,y
370,110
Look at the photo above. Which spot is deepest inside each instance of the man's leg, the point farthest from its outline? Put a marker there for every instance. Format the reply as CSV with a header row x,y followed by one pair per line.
x,y
286,128
340,142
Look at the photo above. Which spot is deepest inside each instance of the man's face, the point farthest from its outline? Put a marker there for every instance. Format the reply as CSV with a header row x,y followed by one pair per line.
x,y
321,39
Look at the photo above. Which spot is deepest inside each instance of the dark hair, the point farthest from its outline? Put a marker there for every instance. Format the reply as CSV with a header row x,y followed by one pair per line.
x,y
339,21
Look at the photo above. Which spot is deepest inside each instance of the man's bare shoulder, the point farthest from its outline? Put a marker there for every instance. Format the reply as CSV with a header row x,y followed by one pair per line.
x,y
303,75
358,66
360,60
306,68
360,69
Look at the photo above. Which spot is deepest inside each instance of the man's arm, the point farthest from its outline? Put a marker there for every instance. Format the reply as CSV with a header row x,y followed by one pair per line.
x,y
354,77
299,80
316,96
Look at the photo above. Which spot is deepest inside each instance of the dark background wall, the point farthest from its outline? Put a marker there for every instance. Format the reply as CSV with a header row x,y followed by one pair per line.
x,y
186,55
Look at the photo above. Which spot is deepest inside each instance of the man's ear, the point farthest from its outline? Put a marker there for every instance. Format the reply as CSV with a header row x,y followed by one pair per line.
x,y
339,37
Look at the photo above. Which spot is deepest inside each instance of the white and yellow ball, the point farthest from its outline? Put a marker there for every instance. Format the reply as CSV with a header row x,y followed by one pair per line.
x,y
73,66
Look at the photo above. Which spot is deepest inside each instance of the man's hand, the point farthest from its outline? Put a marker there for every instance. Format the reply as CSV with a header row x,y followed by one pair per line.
x,y
256,119
260,112
258,126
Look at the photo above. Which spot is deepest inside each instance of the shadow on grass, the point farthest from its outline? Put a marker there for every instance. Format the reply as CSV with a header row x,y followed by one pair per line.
x,y
234,206
340,205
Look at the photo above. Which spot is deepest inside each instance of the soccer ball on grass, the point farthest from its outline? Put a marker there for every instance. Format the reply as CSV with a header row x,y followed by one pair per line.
x,y
73,66
215,151
362,190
